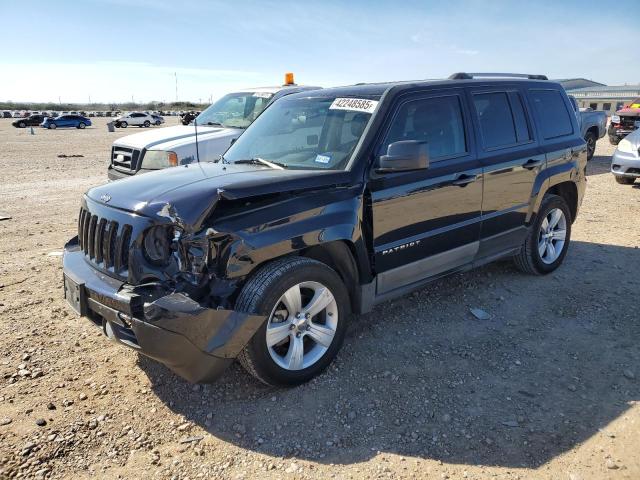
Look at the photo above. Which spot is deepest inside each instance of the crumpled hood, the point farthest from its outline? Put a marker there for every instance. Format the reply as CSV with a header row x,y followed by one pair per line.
x,y
187,194
629,112
173,136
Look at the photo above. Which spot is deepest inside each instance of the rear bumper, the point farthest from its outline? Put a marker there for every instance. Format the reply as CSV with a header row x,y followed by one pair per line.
x,y
196,342
625,164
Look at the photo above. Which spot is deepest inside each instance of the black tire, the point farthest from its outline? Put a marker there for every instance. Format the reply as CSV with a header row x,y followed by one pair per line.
x,y
261,294
614,140
158,123
53,126
528,260
625,180
22,125
82,125
591,140
124,124
146,124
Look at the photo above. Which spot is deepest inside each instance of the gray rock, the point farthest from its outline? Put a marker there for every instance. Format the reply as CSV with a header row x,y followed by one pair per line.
x,y
510,423
629,374
41,422
5,421
480,314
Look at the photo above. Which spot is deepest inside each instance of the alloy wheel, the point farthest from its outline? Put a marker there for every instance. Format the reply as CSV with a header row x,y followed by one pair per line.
x,y
551,238
302,326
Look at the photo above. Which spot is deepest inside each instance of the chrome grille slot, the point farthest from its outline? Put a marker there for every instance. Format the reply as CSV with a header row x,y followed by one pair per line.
x,y
105,242
124,158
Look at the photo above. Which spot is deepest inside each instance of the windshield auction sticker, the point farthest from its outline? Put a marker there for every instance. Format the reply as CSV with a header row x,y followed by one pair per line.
x,y
354,104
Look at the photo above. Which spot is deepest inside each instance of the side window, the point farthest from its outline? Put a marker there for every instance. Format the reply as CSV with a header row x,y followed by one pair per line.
x,y
437,121
552,113
519,118
497,123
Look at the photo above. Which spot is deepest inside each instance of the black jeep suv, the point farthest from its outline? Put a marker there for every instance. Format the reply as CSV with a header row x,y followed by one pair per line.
x,y
331,202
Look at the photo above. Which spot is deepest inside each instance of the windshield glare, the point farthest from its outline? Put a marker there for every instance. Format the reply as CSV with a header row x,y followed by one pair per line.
x,y
235,109
302,133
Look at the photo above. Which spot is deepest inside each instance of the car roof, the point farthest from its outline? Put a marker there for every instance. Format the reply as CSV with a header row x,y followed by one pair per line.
x,y
271,89
377,89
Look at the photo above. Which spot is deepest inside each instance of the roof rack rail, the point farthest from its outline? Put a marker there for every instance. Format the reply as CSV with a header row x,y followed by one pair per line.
x,y
469,76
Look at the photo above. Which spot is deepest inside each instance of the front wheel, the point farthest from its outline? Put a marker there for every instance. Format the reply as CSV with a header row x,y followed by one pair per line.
x,y
614,140
53,126
157,123
81,125
124,124
625,180
307,310
146,123
22,125
547,242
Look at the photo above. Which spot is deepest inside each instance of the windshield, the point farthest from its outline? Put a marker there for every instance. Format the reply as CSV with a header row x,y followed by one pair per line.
x,y
235,110
305,133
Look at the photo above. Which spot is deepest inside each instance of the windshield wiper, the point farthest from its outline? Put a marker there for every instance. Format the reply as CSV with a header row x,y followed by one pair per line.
x,y
215,124
262,161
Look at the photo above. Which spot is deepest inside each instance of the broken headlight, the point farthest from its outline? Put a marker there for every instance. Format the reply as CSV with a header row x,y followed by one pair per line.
x,y
157,244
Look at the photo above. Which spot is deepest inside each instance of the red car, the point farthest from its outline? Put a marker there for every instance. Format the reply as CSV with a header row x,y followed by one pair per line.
x,y
625,121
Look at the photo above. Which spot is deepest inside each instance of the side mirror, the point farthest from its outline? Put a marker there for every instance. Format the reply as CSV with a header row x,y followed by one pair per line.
x,y
405,155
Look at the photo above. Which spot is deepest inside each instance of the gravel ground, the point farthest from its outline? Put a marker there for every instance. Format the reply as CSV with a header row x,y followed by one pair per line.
x,y
548,387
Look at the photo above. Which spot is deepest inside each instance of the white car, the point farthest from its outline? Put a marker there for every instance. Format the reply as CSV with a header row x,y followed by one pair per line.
x,y
217,127
138,119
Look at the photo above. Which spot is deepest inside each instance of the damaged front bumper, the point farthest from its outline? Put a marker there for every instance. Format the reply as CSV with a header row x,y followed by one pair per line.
x,y
196,342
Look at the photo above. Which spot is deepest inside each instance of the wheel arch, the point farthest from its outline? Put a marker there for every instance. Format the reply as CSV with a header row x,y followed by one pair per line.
x,y
569,192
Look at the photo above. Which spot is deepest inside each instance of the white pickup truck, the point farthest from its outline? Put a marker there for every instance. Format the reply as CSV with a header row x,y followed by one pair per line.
x,y
217,127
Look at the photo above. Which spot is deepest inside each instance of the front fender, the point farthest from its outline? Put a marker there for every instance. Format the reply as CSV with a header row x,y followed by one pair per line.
x,y
290,226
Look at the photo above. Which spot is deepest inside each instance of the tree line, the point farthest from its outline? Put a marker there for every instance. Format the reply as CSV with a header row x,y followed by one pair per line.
x,y
128,106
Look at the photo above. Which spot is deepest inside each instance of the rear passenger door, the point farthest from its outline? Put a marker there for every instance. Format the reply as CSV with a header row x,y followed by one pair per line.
x,y
511,161
427,222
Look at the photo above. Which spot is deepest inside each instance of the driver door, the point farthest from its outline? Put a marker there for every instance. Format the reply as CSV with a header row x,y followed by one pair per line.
x,y
427,222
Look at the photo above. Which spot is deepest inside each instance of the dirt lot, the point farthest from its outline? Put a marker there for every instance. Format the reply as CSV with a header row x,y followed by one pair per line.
x,y
548,387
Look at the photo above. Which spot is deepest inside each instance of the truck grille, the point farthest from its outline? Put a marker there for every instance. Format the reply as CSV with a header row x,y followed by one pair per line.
x,y
124,158
104,242
629,122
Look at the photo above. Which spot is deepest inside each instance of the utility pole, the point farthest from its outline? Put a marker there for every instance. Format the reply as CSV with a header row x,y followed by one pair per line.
x,y
176,75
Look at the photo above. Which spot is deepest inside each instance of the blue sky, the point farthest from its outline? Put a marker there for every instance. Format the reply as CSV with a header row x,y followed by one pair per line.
x,y
115,50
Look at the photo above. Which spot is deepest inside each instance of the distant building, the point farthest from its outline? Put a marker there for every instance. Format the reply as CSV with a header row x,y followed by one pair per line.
x,y
575,83
597,96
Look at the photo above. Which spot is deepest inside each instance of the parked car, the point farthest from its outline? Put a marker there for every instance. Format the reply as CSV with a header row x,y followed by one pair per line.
x,y
158,119
31,121
6,114
217,127
625,162
138,119
592,123
331,202
66,121
625,121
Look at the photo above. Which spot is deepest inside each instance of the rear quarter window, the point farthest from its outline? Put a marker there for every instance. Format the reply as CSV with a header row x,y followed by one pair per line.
x,y
553,116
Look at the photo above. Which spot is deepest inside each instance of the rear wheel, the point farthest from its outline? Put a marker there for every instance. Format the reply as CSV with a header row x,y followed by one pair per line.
x,y
614,140
625,180
124,124
53,126
591,139
307,308
146,123
158,123
22,125
546,244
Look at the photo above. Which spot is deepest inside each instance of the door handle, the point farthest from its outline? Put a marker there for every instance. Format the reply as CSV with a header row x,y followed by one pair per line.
x,y
464,179
531,164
